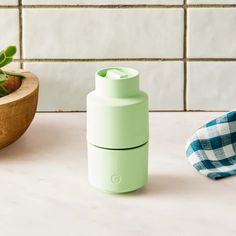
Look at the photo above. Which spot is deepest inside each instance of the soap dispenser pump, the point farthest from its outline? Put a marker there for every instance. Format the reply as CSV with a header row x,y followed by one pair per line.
x,y
117,131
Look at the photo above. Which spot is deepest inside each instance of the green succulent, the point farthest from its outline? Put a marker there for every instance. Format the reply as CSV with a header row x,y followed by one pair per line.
x,y
6,57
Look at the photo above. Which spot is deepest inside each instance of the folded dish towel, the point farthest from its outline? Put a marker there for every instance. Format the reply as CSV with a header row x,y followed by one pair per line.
x,y
212,148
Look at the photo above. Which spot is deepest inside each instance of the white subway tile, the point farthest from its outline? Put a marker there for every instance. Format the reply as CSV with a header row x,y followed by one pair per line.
x,y
211,33
9,26
61,2
102,33
65,85
211,1
211,85
8,2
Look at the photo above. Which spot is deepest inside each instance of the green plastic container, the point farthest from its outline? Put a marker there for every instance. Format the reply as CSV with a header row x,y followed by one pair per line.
x,y
117,131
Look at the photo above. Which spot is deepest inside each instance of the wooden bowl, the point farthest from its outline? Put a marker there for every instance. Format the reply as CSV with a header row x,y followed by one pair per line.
x,y
17,109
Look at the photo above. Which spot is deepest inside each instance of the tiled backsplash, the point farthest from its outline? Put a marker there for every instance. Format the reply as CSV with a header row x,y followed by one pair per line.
x,y
185,50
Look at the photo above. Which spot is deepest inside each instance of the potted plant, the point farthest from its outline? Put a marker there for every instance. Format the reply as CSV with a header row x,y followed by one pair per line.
x,y
18,99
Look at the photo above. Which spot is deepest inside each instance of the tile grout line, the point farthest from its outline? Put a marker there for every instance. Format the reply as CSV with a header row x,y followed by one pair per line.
x,y
125,59
9,6
211,5
115,6
211,59
128,6
95,59
20,33
185,56
104,6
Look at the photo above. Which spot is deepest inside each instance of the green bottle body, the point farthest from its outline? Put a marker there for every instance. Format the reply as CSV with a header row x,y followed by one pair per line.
x,y
117,131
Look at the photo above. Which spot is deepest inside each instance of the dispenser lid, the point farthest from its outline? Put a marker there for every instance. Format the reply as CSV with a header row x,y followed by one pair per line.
x,y
117,73
117,82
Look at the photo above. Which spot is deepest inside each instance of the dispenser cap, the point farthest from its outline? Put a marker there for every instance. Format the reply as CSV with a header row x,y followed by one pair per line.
x,y
117,82
116,74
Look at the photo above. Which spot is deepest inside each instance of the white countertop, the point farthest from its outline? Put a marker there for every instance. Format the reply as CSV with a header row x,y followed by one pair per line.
x,y
44,189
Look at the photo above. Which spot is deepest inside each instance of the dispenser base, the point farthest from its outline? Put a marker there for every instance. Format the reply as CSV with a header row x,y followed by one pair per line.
x,y
118,171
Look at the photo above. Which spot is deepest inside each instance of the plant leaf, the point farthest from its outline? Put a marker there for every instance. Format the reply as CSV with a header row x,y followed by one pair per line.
x,y
3,78
15,74
3,91
2,56
6,61
10,51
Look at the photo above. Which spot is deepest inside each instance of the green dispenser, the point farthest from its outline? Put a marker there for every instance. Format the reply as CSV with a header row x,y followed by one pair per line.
x,y
117,131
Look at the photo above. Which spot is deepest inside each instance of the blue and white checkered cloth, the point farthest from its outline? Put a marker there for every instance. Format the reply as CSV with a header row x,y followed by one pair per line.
x,y
212,148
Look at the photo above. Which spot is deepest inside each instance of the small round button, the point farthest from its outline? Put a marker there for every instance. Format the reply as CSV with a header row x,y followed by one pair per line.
x,y
115,179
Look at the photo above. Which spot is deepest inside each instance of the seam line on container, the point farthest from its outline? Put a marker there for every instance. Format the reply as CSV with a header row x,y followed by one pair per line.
x,y
120,149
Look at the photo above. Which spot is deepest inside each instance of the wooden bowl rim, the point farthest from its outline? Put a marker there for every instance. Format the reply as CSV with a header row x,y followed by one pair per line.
x,y
29,84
